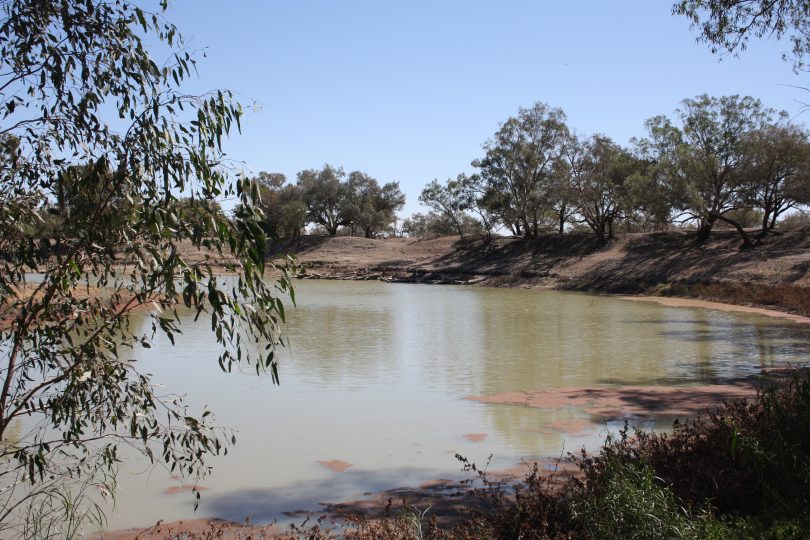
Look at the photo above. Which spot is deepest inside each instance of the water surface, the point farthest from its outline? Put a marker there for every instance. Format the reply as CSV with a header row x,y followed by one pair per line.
x,y
376,375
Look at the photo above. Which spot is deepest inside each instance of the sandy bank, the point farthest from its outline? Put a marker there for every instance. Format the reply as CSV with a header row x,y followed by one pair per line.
x,y
775,276
705,304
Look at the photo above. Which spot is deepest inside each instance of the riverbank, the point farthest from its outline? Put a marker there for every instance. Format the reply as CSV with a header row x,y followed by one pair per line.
x,y
775,275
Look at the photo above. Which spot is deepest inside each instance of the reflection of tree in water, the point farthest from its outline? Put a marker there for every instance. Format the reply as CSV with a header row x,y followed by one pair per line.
x,y
485,341
441,331
338,343
547,339
729,346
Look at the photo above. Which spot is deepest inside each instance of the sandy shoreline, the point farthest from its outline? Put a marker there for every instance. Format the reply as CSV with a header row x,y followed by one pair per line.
x,y
671,301
773,277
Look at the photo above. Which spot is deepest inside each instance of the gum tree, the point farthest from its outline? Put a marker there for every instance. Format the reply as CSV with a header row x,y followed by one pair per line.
x,y
369,207
777,169
729,25
700,157
282,205
325,194
450,200
599,176
520,167
85,107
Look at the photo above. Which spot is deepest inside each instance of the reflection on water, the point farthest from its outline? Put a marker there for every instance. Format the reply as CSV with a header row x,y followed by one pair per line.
x,y
376,375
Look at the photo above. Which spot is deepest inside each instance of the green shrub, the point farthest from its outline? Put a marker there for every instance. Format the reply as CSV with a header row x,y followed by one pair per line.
x,y
624,499
752,527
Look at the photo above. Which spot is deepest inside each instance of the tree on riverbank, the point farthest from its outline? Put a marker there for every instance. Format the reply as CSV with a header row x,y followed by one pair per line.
x,y
701,158
370,208
720,160
777,171
449,200
599,175
328,198
89,122
518,168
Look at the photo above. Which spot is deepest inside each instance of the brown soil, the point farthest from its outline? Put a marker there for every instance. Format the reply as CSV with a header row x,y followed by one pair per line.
x,y
183,488
203,528
775,274
695,303
83,292
335,465
638,401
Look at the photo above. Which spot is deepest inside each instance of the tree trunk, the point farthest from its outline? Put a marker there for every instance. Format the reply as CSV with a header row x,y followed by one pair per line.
x,y
527,229
705,229
766,224
747,244
600,234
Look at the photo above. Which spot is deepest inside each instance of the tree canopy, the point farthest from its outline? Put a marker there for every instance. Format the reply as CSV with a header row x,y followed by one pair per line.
x,y
600,172
776,171
92,125
329,198
729,25
518,167
722,159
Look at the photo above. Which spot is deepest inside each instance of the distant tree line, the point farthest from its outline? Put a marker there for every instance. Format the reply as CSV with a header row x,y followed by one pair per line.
x,y
323,201
718,160
330,200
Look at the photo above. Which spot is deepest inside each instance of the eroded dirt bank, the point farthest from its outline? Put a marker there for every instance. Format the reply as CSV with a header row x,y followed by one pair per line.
x,y
775,274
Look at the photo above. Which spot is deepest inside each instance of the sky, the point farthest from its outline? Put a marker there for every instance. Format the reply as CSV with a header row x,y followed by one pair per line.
x,y
408,91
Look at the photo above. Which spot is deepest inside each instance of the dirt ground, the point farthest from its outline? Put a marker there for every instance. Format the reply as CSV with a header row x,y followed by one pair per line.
x,y
775,274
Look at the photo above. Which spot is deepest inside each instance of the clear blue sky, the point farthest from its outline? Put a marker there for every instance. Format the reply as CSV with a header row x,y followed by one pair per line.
x,y
409,90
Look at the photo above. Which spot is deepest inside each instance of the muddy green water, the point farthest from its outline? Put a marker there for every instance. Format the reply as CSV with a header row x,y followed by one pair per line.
x,y
376,376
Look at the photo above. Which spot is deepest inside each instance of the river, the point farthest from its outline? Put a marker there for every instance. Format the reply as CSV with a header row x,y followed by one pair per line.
x,y
376,376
